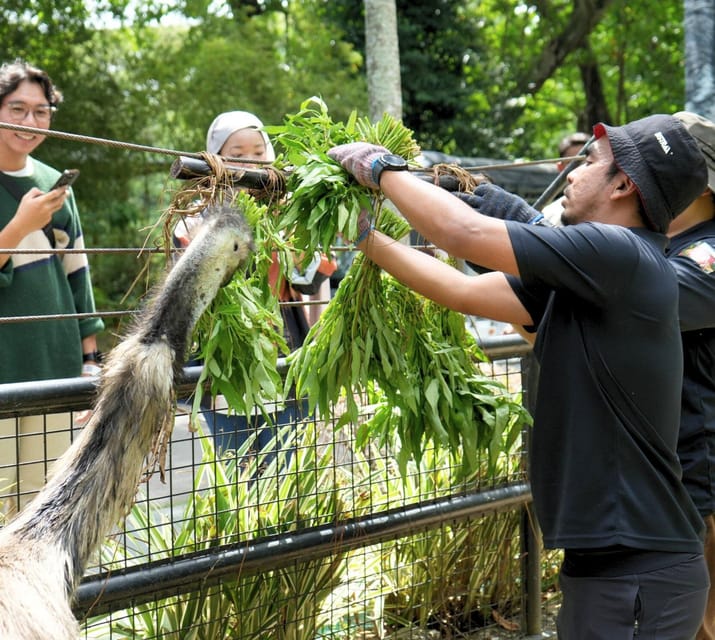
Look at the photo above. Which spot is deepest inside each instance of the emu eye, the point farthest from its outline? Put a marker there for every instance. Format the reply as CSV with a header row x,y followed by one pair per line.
x,y
235,246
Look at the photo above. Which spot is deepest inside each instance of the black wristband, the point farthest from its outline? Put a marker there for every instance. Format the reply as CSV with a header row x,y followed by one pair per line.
x,y
92,356
389,162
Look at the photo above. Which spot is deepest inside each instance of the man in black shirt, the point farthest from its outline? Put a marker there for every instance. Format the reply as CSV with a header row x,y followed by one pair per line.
x,y
692,253
604,472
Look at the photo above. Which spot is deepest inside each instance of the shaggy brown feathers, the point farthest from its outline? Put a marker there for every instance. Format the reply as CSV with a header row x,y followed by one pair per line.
x,y
44,551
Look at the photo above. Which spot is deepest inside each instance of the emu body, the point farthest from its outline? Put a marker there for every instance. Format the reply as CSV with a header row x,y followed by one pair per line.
x,y
45,550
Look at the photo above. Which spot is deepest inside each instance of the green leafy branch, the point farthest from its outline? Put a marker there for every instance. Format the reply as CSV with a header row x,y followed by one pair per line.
x,y
325,202
240,335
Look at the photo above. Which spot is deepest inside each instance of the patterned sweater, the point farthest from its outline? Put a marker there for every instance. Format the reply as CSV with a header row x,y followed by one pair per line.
x,y
39,284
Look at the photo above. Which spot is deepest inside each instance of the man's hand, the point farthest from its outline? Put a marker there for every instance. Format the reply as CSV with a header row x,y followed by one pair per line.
x,y
36,209
364,227
357,159
493,201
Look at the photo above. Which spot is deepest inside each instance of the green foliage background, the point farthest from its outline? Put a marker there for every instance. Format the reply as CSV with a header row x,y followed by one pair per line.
x,y
494,78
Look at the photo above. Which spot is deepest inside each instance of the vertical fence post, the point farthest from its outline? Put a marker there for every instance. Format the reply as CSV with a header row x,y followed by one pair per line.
x,y
529,529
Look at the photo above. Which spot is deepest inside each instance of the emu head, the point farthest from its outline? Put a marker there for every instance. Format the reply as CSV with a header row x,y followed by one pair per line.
x,y
222,246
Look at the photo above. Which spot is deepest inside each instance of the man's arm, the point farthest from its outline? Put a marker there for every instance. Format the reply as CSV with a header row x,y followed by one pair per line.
x,y
450,223
488,295
443,219
89,349
90,356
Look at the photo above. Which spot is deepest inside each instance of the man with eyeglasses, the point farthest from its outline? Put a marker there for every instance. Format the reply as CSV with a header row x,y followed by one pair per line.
x,y
42,282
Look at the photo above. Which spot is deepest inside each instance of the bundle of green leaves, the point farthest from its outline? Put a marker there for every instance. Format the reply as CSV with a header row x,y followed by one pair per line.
x,y
376,338
240,336
416,363
324,201
376,333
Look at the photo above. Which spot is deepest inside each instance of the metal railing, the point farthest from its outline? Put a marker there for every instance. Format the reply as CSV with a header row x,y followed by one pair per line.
x,y
104,590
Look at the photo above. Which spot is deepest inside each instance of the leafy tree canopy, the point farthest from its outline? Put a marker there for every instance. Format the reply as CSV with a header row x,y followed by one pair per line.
x,y
508,78
496,78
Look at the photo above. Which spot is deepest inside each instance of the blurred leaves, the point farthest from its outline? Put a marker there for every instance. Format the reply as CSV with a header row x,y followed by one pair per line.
x,y
489,78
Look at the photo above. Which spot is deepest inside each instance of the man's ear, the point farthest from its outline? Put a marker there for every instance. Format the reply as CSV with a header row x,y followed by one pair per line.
x,y
622,186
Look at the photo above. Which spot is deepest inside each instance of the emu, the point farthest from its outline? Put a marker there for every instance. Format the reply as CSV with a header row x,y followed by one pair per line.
x,y
45,549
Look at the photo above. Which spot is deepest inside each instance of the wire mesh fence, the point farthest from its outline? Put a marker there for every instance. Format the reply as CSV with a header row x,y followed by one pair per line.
x,y
295,533
290,529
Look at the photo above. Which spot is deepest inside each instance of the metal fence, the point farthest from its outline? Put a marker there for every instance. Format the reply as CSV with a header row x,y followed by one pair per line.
x,y
301,535
304,535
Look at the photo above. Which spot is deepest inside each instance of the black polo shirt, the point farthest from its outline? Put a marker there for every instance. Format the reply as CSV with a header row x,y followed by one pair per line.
x,y
692,254
603,466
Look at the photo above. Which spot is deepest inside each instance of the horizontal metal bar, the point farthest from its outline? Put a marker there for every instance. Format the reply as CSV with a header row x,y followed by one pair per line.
x,y
76,394
145,583
501,347
36,397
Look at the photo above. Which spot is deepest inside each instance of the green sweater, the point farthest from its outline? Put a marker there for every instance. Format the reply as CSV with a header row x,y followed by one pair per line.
x,y
44,284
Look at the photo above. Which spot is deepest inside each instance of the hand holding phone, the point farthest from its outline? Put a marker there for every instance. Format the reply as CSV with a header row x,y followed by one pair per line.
x,y
66,179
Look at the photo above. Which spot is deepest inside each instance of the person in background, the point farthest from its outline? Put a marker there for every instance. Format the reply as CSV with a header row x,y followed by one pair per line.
x,y
570,146
35,217
691,252
605,476
239,134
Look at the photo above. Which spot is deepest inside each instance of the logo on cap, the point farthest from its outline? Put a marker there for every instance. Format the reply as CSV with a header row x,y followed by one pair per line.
x,y
663,143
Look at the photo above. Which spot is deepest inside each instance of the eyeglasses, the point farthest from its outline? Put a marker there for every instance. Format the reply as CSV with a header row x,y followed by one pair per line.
x,y
18,111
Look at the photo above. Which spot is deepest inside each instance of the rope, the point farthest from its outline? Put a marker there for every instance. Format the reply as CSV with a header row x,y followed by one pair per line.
x,y
130,312
137,250
76,137
66,316
101,141
211,159
519,164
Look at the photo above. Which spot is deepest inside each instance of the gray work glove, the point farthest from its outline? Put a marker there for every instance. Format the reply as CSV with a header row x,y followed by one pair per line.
x,y
357,159
491,200
364,227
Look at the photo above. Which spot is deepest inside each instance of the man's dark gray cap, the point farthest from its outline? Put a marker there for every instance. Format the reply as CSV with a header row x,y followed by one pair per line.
x,y
664,162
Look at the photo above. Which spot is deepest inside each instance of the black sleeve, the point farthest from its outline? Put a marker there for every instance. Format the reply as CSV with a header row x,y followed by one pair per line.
x,y
588,260
535,300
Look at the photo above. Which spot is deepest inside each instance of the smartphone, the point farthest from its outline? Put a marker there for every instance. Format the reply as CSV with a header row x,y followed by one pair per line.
x,y
66,179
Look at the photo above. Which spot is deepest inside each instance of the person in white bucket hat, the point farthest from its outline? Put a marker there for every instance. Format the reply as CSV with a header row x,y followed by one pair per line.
x,y
239,134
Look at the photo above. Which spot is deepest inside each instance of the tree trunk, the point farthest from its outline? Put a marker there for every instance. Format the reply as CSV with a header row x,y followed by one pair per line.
x,y
584,17
700,57
596,109
382,54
